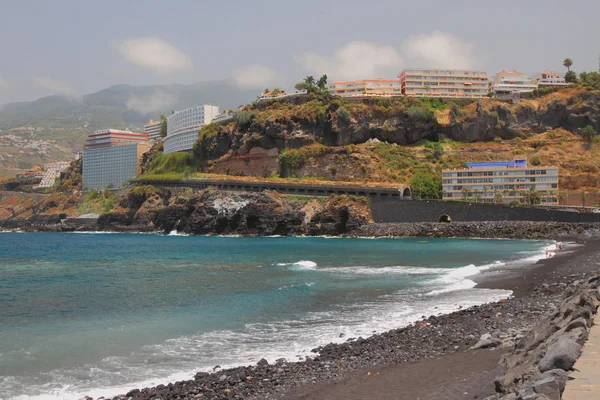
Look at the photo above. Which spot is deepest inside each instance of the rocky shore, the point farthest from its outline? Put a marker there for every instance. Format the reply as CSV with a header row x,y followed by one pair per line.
x,y
479,229
531,329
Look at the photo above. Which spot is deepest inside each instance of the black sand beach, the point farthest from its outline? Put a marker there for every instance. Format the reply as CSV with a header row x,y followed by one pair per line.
x,y
431,359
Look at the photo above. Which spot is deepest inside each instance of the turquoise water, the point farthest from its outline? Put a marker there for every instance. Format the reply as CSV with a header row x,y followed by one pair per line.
x,y
98,314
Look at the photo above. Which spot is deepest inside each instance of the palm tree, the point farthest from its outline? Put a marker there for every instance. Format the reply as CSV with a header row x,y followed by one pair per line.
x,y
465,193
533,197
567,63
485,189
498,197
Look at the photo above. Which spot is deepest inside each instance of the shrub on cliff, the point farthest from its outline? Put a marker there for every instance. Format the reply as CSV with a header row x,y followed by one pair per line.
x,y
244,118
343,114
425,185
588,133
421,114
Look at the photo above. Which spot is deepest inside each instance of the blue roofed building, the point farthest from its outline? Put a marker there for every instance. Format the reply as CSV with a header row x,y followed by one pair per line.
x,y
501,182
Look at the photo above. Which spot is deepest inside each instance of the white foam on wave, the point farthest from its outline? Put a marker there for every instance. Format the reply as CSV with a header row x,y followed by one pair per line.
x,y
301,285
175,233
300,265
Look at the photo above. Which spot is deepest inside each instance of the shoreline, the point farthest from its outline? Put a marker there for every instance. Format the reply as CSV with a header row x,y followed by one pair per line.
x,y
533,230
336,366
336,363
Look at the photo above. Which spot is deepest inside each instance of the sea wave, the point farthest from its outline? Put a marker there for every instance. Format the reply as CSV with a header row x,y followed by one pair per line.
x,y
300,265
303,286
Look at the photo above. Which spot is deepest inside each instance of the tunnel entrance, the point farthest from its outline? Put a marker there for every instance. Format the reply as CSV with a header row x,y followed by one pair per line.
x,y
406,192
445,219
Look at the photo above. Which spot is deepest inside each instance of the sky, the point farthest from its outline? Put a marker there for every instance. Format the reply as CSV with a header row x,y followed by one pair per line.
x,y
78,47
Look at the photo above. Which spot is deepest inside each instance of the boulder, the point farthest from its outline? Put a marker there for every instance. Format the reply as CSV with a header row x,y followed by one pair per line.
x,y
485,343
559,375
548,386
561,354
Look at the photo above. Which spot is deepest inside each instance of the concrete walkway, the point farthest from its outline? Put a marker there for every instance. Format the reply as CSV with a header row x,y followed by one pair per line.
x,y
584,383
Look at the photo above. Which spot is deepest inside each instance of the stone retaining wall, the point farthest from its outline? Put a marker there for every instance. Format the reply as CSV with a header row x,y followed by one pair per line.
x,y
391,210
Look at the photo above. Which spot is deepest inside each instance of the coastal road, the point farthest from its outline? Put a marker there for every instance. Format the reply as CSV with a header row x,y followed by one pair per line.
x,y
585,383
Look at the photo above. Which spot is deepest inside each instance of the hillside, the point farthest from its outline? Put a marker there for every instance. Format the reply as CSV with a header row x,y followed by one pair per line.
x,y
394,141
54,128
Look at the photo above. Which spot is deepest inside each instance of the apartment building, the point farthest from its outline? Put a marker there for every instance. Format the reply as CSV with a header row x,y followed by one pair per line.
x,y
111,157
509,81
152,129
501,182
366,88
549,78
183,126
52,171
443,83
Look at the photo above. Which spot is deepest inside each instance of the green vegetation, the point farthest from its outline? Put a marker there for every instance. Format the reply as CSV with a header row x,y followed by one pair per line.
x,y
290,160
182,163
421,114
311,86
425,185
343,114
571,77
588,133
434,103
212,129
97,201
568,63
589,80
163,126
244,118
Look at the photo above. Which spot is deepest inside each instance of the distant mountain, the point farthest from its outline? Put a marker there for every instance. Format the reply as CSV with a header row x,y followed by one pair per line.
x,y
53,128
121,105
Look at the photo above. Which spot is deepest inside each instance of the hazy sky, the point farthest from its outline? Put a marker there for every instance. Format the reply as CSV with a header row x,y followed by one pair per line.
x,y
78,47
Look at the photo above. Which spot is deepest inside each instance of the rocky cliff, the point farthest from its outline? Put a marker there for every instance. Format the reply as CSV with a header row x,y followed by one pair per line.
x,y
149,209
298,122
215,212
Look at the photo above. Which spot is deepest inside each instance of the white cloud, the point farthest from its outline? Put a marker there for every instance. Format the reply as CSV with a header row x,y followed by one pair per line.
x,y
55,86
4,83
355,60
438,50
155,54
158,102
255,76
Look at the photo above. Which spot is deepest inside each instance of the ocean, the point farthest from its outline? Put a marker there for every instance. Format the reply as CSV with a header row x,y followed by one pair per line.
x,y
100,314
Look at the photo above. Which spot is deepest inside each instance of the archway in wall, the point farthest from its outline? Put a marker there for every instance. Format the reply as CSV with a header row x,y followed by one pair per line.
x,y
406,192
445,219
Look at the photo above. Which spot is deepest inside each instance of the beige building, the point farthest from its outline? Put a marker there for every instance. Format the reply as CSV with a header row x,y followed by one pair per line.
x,y
443,83
509,81
501,182
366,88
548,78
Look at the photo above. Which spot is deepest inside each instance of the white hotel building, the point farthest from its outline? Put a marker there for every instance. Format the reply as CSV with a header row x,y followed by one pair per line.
x,y
153,130
183,126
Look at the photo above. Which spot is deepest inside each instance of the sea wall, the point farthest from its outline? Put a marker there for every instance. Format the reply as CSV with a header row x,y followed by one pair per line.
x,y
540,362
392,210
